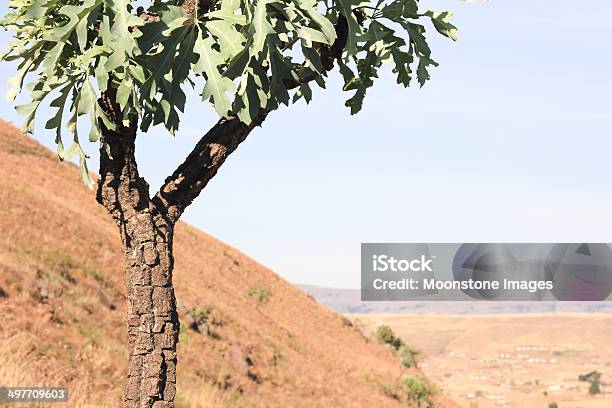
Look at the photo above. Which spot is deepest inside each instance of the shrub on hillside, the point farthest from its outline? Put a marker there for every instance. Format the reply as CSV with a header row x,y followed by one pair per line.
x,y
385,334
418,390
408,355
259,293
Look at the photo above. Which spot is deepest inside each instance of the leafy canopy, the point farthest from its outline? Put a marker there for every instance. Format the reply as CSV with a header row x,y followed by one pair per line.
x,y
242,55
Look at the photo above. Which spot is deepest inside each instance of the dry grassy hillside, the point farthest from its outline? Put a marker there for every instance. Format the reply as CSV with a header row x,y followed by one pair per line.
x,y
62,308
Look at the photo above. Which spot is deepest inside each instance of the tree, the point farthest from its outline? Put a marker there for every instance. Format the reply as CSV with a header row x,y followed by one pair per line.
x,y
594,377
125,69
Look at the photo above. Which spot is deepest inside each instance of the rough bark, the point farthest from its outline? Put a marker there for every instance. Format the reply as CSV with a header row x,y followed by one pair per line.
x,y
146,236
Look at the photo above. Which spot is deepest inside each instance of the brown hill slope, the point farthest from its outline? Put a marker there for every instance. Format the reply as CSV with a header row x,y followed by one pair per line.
x,y
62,308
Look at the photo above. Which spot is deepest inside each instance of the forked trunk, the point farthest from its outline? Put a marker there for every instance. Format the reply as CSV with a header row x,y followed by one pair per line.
x,y
146,235
146,226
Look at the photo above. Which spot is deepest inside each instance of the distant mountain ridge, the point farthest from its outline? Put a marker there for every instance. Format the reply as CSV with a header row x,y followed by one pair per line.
x,y
349,301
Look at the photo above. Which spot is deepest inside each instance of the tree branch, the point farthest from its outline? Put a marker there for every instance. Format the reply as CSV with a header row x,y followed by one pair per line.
x,y
189,179
121,190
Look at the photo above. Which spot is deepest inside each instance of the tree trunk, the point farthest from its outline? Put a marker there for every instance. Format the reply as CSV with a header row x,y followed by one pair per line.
x,y
146,236
152,319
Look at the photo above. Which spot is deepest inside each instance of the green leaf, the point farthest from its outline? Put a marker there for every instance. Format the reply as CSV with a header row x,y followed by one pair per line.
x,y
417,37
326,26
228,11
29,111
37,9
311,35
181,65
260,27
367,71
75,15
305,92
227,16
52,57
382,41
122,28
102,74
281,71
312,58
75,148
160,65
88,105
56,121
84,170
400,8
402,66
153,33
422,72
237,65
231,41
39,89
124,92
345,71
441,22
16,82
249,103
216,85
354,29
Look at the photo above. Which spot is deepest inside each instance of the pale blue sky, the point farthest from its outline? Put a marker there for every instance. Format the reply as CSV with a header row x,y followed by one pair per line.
x,y
509,141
